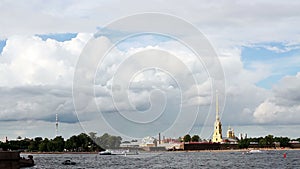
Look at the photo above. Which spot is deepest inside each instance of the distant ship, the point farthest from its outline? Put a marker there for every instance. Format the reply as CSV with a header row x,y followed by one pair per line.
x,y
106,152
255,151
118,152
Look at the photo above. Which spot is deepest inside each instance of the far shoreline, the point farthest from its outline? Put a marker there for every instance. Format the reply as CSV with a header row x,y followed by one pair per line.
x,y
215,151
242,150
59,152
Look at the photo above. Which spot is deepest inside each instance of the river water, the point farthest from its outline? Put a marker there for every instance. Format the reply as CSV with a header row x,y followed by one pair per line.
x,y
266,159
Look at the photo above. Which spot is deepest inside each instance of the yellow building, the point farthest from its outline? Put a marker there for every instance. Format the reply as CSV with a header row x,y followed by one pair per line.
x,y
217,136
230,133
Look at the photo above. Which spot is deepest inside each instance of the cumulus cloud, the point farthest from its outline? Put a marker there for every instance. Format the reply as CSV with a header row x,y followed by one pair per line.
x,y
36,103
36,76
242,95
36,98
28,60
282,107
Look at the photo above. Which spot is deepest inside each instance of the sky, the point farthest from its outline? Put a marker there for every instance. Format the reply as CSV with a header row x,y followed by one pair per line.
x,y
148,83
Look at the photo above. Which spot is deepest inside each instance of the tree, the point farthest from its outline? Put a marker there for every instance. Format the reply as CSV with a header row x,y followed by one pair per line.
x,y
108,141
187,138
262,142
284,141
50,146
244,143
58,144
93,135
4,146
38,139
43,145
72,143
83,142
195,138
269,139
34,144
115,141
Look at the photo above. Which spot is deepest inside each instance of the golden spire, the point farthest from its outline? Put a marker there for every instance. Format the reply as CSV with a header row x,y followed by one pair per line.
x,y
217,135
217,105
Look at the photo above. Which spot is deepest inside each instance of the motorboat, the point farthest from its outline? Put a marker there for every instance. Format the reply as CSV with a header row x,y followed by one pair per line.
x,y
26,162
118,152
128,152
69,162
255,151
106,152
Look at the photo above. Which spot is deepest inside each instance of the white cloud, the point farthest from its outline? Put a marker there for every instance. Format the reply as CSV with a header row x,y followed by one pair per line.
x,y
283,106
59,59
36,76
240,21
28,60
36,79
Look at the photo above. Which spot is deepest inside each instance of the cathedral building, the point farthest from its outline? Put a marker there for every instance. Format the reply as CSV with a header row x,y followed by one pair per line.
x,y
230,133
217,135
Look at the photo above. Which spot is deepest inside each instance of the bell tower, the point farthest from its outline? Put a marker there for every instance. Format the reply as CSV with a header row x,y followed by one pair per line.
x,y
217,135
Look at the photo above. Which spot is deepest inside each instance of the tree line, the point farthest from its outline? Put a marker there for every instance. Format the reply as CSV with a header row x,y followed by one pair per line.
x,y
76,143
267,141
188,138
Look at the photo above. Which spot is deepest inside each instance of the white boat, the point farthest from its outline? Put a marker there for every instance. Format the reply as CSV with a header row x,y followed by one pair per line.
x,y
125,152
106,152
118,152
255,151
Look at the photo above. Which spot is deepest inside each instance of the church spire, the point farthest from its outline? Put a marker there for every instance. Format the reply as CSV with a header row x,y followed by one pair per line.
x,y
217,135
217,106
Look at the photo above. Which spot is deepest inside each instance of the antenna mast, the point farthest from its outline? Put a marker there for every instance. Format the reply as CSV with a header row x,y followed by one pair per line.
x,y
56,124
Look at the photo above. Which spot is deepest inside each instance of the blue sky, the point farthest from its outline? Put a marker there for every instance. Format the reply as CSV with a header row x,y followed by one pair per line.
x,y
273,54
2,44
143,40
132,39
60,37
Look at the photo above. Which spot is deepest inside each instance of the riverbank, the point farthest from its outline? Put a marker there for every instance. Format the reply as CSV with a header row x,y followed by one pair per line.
x,y
241,150
229,150
59,152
